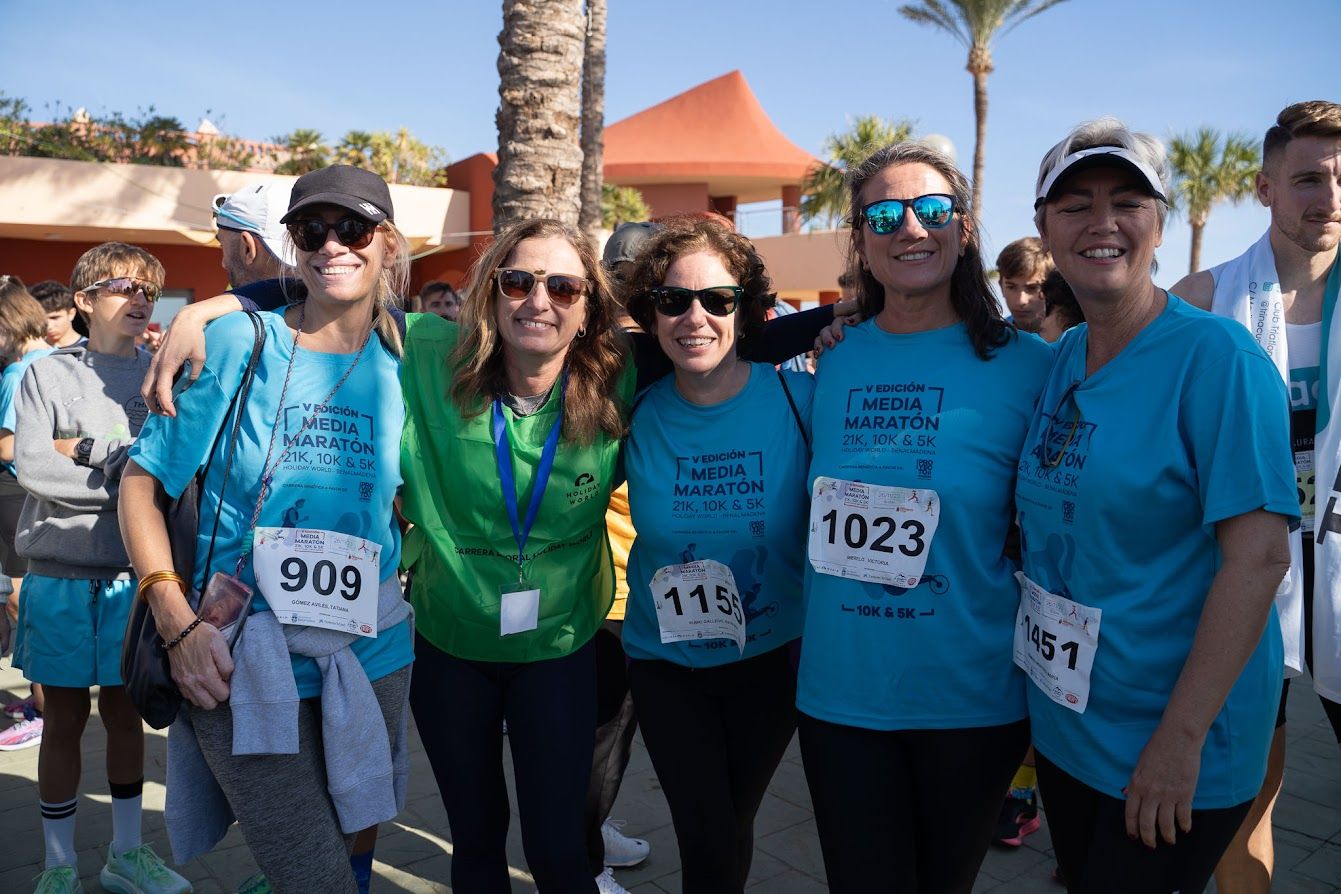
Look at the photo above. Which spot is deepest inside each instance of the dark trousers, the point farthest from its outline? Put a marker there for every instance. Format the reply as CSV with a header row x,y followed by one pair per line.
x,y
616,724
1089,835
715,736
550,707
907,810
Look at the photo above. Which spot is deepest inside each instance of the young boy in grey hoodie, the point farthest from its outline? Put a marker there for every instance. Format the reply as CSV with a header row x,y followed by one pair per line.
x,y
79,411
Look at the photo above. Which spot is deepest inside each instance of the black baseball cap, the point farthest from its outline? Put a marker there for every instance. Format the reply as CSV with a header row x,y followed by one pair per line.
x,y
344,186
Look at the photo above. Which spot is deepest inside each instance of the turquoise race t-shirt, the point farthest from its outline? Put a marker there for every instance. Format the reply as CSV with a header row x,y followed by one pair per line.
x,y
724,482
922,410
9,392
341,474
1124,476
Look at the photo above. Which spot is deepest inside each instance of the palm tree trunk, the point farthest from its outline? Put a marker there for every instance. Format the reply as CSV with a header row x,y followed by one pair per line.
x,y
1197,230
593,120
539,111
980,73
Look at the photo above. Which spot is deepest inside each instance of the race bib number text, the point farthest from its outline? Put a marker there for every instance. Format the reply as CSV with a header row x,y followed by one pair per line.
x,y
870,532
698,600
316,578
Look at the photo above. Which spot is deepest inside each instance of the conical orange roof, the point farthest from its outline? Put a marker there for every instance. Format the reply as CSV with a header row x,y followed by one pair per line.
x,y
716,132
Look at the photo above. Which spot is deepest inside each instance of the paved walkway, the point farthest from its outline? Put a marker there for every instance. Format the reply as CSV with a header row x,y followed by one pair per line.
x,y
414,854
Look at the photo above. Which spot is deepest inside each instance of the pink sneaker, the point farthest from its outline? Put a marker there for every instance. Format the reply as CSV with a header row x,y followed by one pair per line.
x,y
19,709
24,734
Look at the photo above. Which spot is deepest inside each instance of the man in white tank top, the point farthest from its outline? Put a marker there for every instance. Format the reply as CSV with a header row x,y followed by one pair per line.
x,y
1300,183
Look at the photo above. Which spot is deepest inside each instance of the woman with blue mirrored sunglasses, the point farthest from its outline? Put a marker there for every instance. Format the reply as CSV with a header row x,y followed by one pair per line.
x,y
912,715
933,211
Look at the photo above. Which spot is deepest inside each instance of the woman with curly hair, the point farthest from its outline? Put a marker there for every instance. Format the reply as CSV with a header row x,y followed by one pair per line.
x,y
716,460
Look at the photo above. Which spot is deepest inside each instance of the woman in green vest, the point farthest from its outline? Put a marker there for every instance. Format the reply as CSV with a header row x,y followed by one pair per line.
x,y
513,426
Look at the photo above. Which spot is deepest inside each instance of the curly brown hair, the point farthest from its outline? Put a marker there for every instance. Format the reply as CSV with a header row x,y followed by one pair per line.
x,y
686,235
595,360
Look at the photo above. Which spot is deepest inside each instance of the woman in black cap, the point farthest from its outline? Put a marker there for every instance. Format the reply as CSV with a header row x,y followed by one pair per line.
x,y
298,727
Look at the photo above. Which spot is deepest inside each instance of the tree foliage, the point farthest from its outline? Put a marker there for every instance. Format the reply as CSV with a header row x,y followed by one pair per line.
x,y
824,195
975,24
396,157
1208,169
147,139
622,204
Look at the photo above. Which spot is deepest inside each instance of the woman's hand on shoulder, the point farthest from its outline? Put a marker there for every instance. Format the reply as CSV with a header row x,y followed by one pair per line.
x,y
184,341
833,333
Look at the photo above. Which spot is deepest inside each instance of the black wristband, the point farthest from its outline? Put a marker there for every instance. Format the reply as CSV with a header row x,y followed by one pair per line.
x,y
169,646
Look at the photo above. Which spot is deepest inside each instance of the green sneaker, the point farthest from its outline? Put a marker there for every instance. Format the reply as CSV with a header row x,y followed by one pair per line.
x,y
140,871
59,880
257,884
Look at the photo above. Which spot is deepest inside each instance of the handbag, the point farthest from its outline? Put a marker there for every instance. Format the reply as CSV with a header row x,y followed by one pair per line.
x,y
145,671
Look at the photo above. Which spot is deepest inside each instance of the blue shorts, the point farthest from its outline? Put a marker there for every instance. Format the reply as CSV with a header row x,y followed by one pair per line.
x,y
70,631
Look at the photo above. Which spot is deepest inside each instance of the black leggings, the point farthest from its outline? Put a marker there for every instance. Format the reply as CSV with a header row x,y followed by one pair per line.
x,y
616,724
1095,856
715,736
907,810
550,706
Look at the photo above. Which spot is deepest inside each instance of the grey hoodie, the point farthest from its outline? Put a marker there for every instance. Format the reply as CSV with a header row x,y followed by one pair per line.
x,y
68,527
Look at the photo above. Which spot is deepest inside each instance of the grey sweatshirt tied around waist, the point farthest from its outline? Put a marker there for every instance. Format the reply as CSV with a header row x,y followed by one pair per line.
x,y
365,779
68,527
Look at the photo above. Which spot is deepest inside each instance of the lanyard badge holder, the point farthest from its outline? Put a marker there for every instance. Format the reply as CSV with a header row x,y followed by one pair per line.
x,y
519,603
227,592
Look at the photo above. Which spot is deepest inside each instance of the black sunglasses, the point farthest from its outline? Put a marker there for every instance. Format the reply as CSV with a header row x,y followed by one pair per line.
x,y
1052,431
933,211
563,288
352,231
720,301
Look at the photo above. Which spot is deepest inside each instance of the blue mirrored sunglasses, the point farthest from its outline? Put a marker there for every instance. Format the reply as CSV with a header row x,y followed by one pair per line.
x,y
933,211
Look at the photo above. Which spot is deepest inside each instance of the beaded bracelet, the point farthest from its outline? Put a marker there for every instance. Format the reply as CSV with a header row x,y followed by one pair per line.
x,y
169,646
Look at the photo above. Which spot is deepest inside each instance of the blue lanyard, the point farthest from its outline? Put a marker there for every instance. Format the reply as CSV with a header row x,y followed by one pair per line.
x,y
507,478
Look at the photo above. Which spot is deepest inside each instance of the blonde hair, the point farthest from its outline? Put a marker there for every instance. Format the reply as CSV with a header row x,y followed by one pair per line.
x,y
392,282
112,259
595,359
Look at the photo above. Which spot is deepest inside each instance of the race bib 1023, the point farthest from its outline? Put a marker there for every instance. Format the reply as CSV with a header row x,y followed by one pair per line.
x,y
870,532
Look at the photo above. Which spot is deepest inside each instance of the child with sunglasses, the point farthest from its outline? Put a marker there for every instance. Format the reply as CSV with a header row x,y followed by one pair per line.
x,y
79,412
912,713
716,461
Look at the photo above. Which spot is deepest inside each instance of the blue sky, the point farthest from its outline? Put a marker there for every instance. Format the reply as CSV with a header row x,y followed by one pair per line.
x,y
260,69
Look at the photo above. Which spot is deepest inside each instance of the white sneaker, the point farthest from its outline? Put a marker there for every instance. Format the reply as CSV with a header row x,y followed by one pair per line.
x,y
606,884
620,850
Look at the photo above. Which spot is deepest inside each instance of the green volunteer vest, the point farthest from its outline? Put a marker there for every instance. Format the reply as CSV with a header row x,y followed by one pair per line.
x,y
461,548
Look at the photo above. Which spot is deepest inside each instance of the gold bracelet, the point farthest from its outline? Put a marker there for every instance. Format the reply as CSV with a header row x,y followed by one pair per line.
x,y
156,577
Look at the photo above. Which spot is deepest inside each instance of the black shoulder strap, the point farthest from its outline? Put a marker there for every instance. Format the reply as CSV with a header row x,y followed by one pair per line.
x,y
796,414
235,409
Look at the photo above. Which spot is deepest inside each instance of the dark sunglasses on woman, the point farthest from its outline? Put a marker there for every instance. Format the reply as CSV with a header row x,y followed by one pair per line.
x,y
563,288
352,231
720,301
933,211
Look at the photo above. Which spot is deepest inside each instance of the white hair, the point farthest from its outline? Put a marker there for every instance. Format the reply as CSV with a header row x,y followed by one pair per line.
x,y
1108,131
